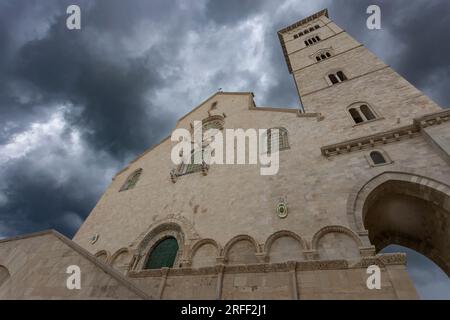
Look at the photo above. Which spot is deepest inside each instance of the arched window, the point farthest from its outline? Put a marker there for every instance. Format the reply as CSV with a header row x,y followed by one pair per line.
x,y
317,26
333,78
355,115
337,77
377,158
367,112
341,76
277,138
322,55
311,29
163,254
362,113
131,180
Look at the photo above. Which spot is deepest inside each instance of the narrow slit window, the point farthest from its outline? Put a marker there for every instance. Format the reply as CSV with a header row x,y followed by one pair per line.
x,y
367,112
341,76
333,79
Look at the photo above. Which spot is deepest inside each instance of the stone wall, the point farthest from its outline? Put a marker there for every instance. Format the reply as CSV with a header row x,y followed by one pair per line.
x,y
36,268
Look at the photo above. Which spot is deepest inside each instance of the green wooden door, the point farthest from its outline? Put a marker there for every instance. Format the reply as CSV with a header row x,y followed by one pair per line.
x,y
163,255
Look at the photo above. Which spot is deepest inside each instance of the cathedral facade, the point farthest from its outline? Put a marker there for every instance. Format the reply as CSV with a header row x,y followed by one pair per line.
x,y
364,163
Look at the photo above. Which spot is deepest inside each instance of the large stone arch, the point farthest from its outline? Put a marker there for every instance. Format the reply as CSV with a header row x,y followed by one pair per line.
x,y
172,225
157,234
405,208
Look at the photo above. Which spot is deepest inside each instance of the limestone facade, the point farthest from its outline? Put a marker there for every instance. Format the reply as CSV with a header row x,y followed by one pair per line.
x,y
233,245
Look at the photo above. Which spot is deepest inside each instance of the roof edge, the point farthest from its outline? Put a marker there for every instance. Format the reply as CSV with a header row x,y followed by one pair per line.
x,y
87,255
303,21
323,12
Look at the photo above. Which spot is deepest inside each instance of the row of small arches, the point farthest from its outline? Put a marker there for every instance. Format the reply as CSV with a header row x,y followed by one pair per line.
x,y
312,41
323,55
329,243
306,31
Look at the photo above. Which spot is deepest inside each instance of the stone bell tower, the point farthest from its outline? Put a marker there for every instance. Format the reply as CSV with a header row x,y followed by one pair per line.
x,y
330,68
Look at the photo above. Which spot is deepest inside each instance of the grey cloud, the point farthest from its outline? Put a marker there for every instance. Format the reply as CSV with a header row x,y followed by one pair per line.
x,y
127,75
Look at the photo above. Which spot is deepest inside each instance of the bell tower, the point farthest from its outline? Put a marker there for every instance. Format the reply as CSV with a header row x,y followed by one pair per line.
x,y
332,71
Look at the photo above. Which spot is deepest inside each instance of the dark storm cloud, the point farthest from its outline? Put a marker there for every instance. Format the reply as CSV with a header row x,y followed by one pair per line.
x,y
75,106
40,203
412,40
67,67
229,12
107,98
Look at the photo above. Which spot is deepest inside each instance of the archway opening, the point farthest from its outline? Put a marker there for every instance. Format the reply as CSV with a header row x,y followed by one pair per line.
x,y
411,215
430,280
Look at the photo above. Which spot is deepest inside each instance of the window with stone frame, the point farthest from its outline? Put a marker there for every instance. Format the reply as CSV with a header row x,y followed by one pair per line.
x,y
193,165
132,180
337,77
378,157
312,40
323,55
361,113
277,138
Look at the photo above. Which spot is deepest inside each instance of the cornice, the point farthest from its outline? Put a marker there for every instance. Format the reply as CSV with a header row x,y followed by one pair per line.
x,y
386,137
382,260
301,22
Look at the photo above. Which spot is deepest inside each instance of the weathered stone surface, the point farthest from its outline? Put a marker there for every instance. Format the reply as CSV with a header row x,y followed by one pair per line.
x,y
232,243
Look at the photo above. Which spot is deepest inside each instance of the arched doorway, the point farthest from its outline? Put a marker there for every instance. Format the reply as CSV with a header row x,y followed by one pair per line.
x,y
408,210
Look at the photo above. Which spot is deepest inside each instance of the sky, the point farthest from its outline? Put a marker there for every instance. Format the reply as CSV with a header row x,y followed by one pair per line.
x,y
77,105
